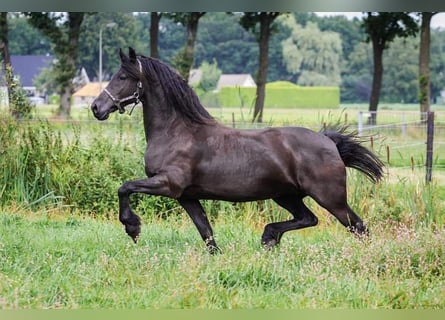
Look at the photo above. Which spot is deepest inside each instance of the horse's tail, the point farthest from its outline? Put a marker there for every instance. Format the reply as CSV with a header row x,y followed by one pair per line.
x,y
356,156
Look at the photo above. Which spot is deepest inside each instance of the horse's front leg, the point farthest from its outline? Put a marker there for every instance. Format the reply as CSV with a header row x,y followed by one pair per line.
x,y
199,218
156,185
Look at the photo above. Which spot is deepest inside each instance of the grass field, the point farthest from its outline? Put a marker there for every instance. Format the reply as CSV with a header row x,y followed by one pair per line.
x,y
54,258
57,256
69,262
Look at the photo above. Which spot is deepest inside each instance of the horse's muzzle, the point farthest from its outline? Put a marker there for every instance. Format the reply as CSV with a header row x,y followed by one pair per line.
x,y
97,114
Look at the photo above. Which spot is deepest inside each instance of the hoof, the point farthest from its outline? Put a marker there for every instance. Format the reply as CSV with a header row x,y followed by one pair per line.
x,y
133,231
213,250
360,230
269,244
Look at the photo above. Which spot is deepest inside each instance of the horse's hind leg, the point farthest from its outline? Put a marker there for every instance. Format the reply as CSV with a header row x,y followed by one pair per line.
x,y
199,218
332,196
303,218
348,218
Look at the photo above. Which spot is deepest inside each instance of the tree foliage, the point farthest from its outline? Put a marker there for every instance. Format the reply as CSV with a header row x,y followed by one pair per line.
x,y
437,63
222,39
64,31
401,64
25,39
312,54
210,75
121,35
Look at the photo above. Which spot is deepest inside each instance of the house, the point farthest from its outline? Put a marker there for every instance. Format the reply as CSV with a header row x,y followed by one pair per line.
x,y
235,80
87,93
26,68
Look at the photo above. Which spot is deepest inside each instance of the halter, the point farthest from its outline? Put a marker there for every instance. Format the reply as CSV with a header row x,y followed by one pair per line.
x,y
135,96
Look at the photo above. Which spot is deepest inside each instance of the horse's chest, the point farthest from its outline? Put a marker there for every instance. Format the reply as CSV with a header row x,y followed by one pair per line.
x,y
165,159
153,163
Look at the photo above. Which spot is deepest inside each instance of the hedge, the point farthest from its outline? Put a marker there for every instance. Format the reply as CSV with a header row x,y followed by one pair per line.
x,y
282,94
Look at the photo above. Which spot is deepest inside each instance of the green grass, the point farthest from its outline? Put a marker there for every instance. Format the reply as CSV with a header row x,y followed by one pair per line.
x,y
315,117
54,261
54,258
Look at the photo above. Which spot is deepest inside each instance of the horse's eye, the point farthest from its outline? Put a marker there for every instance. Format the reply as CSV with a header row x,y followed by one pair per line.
x,y
123,77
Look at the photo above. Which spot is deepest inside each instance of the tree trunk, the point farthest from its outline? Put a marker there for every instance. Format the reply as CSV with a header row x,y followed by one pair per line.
x,y
376,80
4,47
154,34
65,102
265,22
68,67
192,31
424,65
183,60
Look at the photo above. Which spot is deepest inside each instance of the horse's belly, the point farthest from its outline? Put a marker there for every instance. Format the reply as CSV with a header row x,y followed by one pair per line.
x,y
239,191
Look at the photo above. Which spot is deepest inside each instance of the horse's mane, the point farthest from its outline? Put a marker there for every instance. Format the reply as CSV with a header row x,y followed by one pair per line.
x,y
178,94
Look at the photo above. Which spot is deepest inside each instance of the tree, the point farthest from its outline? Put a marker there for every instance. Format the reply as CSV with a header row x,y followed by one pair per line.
x,y
349,30
64,32
424,63
121,35
184,59
19,104
4,47
400,80
357,74
250,21
24,39
437,63
382,28
222,38
155,17
312,54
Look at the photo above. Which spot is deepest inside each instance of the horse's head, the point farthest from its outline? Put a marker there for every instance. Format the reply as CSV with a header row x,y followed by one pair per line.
x,y
124,88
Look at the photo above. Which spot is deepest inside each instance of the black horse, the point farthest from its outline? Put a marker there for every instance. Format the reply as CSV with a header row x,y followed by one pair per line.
x,y
190,156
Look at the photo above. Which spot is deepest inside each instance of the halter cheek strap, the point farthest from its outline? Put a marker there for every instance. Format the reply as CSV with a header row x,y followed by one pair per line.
x,y
121,103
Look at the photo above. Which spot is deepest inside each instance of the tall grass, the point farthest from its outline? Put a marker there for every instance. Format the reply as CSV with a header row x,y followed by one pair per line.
x,y
81,166
44,165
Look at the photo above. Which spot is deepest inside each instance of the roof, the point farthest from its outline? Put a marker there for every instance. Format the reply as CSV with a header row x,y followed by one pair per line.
x,y
235,80
91,89
28,67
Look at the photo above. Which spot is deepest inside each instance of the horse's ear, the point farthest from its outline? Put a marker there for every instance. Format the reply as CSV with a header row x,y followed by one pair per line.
x,y
132,54
122,55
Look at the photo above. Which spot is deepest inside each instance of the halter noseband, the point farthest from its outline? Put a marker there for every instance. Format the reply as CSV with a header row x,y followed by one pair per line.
x,y
135,96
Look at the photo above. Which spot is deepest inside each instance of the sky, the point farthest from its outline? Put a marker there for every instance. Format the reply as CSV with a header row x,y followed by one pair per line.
x,y
438,20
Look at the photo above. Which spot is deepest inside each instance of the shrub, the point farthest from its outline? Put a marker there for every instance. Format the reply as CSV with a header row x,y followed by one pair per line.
x,y
40,168
19,103
282,94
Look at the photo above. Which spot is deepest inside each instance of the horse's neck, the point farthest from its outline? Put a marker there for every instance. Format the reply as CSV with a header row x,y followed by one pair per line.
x,y
158,122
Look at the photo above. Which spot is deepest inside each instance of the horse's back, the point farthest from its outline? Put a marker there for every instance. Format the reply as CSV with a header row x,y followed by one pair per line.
x,y
244,165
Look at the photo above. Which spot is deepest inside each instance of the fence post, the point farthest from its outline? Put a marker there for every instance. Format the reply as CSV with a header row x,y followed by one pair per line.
x,y
360,123
429,146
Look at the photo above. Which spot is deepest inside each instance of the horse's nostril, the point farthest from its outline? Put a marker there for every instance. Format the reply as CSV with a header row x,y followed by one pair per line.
x,y
94,108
